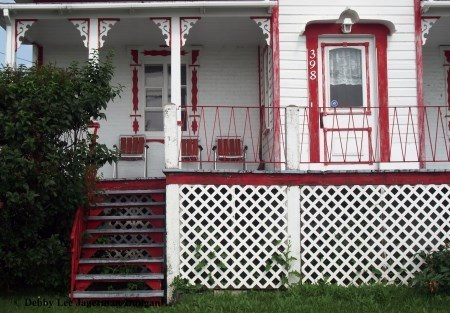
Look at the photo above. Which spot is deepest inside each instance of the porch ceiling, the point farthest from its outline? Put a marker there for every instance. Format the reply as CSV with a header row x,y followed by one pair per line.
x,y
237,31
440,33
209,31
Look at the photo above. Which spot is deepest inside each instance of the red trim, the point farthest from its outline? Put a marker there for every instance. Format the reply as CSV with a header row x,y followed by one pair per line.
x,y
162,53
194,90
321,179
124,184
447,59
195,54
275,43
40,54
419,78
345,44
312,33
135,89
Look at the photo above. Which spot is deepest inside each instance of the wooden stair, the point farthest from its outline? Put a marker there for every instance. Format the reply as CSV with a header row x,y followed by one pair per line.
x,y
123,248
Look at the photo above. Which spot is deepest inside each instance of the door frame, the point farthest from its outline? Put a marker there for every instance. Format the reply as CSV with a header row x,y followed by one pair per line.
x,y
380,33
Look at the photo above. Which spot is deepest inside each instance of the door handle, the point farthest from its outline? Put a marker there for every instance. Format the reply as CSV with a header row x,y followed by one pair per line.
x,y
321,119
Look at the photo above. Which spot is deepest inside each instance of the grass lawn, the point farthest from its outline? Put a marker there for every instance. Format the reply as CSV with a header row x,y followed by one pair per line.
x,y
306,298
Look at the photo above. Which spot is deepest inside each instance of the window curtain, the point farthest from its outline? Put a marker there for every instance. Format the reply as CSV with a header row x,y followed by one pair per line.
x,y
345,67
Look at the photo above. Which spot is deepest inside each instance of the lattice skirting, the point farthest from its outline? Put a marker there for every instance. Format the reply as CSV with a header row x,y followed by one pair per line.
x,y
365,234
228,234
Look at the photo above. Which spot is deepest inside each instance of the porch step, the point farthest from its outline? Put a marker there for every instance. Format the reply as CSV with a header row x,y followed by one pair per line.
x,y
121,209
119,294
127,204
118,277
113,231
111,262
125,218
122,246
133,192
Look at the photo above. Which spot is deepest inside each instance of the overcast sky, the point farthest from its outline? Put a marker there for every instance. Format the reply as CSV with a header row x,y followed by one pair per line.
x,y
24,53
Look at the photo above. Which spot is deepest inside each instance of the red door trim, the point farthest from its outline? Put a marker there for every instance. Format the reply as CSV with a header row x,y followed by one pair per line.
x,y
380,32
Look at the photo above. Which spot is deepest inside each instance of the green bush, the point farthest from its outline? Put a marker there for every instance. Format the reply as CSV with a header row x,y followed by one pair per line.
x,y
435,277
45,151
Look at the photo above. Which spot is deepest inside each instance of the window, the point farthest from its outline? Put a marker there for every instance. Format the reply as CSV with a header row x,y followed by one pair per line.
x,y
157,93
346,75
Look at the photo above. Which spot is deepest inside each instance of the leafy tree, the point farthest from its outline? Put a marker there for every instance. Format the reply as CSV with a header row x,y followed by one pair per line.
x,y
44,157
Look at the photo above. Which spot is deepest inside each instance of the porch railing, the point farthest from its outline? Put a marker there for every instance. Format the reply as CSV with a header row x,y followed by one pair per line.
x,y
340,136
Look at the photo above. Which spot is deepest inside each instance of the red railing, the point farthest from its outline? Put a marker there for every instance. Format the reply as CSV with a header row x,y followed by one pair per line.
x,y
253,131
347,136
79,224
76,242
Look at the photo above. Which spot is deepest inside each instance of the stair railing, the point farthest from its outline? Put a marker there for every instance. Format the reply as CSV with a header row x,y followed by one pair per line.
x,y
79,224
75,243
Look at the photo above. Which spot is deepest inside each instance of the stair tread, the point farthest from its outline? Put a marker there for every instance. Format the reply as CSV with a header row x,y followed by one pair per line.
x,y
124,218
119,277
132,191
127,204
122,245
121,261
120,294
124,231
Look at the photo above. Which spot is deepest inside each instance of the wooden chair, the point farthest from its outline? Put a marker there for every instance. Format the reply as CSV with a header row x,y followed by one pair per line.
x,y
230,149
132,148
191,150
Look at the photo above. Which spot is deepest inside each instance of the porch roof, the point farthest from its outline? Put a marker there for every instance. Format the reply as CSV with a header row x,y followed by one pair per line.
x,y
135,9
115,5
436,7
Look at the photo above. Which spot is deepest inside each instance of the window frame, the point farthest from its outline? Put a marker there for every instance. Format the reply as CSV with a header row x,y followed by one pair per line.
x,y
165,92
363,45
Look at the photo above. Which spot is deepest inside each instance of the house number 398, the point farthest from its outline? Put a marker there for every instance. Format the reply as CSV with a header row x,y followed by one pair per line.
x,y
312,64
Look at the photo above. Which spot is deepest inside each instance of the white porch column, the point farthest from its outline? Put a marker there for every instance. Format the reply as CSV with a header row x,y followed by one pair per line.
x,y
171,142
292,138
175,59
172,237
175,83
10,52
93,42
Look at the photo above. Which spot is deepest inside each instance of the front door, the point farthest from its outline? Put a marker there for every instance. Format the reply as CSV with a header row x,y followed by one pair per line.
x,y
348,105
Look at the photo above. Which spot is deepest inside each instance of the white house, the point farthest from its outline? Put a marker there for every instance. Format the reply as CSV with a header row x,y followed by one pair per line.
x,y
253,127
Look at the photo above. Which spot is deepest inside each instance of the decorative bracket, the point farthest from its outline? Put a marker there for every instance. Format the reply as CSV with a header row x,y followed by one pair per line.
x,y
165,24
264,24
104,25
22,26
186,24
427,23
83,27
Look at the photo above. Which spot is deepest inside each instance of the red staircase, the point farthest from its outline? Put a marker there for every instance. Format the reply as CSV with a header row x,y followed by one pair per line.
x,y
118,245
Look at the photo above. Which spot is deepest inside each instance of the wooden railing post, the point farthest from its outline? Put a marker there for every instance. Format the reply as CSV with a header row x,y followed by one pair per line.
x,y
171,135
292,138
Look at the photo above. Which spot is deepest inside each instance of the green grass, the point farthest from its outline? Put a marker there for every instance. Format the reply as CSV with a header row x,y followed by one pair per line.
x,y
306,298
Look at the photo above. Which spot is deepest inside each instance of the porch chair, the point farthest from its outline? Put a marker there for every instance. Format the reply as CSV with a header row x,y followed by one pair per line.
x,y
191,150
132,148
230,149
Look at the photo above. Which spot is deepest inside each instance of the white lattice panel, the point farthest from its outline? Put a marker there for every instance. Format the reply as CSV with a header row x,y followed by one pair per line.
x,y
363,234
229,233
